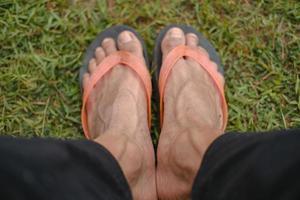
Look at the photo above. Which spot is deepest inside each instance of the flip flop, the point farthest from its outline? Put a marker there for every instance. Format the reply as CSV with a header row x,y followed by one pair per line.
x,y
119,57
163,69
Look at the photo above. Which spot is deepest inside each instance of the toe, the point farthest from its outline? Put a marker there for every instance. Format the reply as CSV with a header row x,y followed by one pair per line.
x,y
109,46
191,40
85,79
174,37
214,66
127,41
202,50
100,55
92,65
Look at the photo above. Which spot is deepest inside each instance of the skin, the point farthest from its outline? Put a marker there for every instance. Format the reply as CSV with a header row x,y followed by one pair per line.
x,y
117,119
192,120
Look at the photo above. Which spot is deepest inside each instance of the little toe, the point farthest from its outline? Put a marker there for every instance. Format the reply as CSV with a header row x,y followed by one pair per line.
x,y
85,80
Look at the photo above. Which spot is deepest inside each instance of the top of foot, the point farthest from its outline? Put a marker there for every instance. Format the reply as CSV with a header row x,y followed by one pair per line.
x,y
117,115
192,119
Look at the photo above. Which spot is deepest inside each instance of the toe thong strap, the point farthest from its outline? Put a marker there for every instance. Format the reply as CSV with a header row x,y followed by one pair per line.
x,y
204,61
128,60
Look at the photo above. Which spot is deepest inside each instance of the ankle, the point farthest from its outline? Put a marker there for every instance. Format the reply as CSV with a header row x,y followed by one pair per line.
x,y
128,154
192,144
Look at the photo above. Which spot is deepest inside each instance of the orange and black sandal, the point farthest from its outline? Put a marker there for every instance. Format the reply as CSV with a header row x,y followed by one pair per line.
x,y
163,69
119,57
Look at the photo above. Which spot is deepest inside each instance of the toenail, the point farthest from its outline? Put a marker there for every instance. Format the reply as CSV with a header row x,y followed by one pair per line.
x,y
125,37
193,36
92,61
176,33
106,40
99,49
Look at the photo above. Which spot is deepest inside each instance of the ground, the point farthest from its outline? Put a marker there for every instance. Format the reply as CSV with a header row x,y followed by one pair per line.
x,y
42,44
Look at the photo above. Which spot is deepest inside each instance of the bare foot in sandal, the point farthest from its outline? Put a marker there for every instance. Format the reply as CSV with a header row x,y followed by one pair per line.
x,y
117,116
192,120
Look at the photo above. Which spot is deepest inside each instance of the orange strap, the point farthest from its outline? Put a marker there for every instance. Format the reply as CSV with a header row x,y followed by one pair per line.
x,y
204,61
119,57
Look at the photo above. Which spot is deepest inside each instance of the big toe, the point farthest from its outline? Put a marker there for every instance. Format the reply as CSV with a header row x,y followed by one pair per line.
x,y
173,38
127,41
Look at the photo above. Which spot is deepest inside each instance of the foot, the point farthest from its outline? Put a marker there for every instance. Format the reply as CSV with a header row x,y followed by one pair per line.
x,y
117,116
192,120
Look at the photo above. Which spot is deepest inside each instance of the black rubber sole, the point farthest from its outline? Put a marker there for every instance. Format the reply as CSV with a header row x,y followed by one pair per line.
x,y
112,32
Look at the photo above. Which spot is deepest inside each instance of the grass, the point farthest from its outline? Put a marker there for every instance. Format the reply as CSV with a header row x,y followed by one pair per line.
x,y
42,43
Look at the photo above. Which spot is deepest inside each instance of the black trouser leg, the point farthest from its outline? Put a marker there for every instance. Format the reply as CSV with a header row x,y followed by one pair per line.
x,y
251,166
54,169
